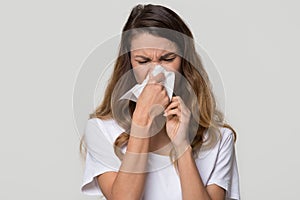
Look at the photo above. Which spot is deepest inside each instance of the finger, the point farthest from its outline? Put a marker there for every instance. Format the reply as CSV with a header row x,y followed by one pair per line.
x,y
172,105
160,77
151,80
175,111
179,99
174,98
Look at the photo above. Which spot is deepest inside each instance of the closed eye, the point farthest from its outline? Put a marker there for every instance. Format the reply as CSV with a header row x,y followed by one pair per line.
x,y
168,59
142,62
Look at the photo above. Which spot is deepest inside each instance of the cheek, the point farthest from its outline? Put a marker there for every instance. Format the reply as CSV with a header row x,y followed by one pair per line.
x,y
175,65
140,75
140,72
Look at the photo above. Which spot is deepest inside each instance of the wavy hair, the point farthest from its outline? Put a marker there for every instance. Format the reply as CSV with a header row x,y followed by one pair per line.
x,y
152,17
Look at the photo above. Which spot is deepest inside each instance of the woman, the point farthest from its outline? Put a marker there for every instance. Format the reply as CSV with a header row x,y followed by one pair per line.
x,y
157,124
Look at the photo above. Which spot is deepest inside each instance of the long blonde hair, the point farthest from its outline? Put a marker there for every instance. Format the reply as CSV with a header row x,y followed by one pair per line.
x,y
149,16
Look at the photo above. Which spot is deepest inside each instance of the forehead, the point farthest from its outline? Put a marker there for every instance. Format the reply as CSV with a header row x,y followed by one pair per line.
x,y
145,42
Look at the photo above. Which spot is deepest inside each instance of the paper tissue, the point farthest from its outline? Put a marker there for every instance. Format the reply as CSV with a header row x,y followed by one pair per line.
x,y
135,92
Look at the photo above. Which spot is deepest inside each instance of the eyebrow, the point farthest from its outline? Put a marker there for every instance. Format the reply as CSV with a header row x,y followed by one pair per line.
x,y
162,57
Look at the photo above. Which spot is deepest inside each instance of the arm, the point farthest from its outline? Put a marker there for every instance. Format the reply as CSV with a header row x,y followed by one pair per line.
x,y
119,185
126,183
178,116
188,174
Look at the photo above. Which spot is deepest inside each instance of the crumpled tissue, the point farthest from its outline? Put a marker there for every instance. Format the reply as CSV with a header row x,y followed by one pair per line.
x,y
168,83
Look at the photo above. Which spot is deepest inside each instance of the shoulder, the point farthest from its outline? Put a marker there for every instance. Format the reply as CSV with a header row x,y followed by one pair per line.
x,y
217,138
226,132
105,124
99,122
227,136
108,127
226,140
225,171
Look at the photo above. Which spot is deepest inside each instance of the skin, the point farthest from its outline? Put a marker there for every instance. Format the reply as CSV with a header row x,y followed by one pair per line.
x,y
147,51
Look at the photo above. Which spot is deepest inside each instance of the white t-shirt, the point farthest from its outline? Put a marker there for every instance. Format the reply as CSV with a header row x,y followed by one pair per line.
x,y
216,166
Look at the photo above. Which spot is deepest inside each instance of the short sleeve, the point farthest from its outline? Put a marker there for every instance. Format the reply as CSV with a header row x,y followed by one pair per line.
x,y
100,157
225,173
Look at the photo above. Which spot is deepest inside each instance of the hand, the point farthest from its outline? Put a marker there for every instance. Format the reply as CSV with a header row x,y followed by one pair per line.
x,y
177,125
152,101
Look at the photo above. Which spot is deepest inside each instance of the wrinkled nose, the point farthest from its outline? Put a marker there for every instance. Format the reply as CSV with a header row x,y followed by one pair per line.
x,y
152,66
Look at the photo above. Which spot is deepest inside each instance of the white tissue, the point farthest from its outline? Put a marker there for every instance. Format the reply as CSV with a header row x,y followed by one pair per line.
x,y
135,92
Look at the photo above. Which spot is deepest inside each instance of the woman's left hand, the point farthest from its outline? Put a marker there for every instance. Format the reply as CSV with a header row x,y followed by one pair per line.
x,y
177,125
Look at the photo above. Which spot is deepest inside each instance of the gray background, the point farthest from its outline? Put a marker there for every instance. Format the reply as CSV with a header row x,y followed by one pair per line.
x,y
255,45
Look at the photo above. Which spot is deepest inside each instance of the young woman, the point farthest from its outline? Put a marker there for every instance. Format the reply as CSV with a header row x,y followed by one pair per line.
x,y
120,138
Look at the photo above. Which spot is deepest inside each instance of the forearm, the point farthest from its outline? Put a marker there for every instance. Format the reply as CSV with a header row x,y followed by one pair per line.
x,y
129,183
191,183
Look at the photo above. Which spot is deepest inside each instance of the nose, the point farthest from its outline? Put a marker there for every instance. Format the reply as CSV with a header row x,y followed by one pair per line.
x,y
152,65
155,63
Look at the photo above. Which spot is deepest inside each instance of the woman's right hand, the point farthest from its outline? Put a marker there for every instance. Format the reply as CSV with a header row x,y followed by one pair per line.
x,y
152,101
